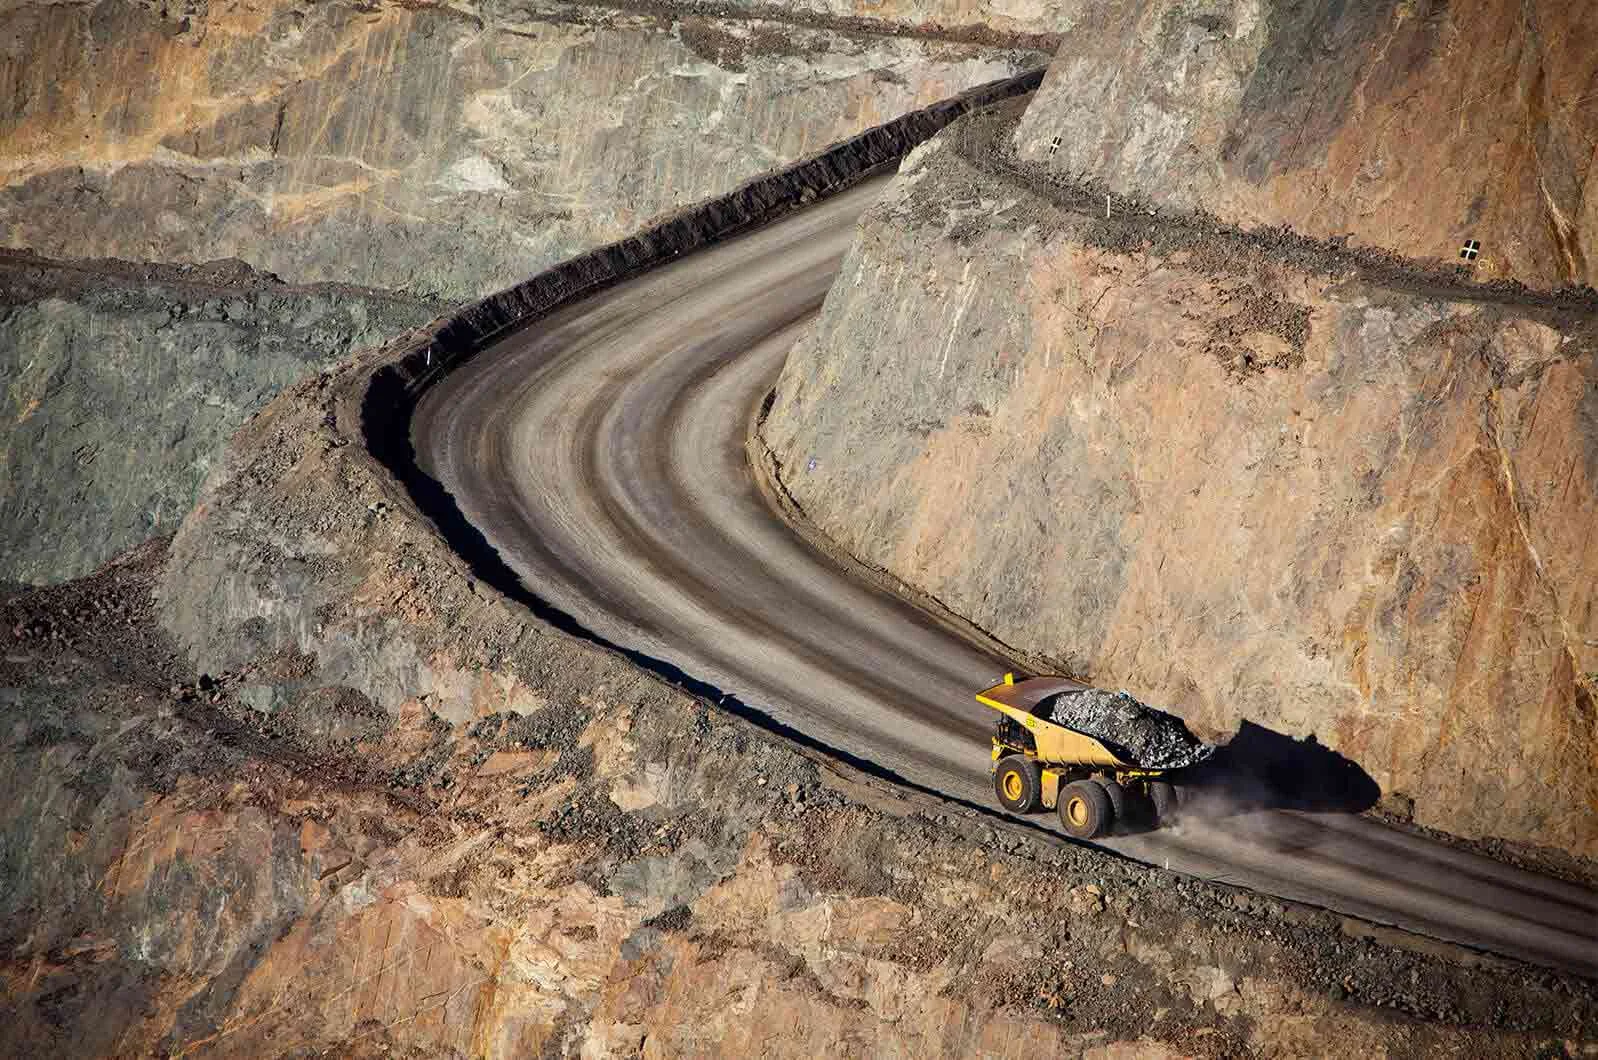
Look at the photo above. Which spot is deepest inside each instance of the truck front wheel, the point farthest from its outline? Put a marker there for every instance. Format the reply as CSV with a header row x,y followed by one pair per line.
x,y
1085,810
1018,784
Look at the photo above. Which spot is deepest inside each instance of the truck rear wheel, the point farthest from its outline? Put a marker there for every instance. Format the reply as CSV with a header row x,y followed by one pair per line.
x,y
1117,794
1018,784
1085,810
1162,793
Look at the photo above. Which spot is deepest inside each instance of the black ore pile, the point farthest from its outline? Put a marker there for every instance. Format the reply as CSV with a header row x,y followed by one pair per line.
x,y
1136,732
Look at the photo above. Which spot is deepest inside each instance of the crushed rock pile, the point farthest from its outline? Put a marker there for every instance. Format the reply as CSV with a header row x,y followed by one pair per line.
x,y
1141,734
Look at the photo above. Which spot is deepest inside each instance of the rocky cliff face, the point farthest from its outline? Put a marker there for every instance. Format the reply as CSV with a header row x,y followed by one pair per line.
x,y
439,150
1414,126
1248,477
119,385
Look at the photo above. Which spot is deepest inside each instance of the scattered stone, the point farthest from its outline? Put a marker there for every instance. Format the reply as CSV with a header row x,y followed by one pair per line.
x,y
1140,733
1086,901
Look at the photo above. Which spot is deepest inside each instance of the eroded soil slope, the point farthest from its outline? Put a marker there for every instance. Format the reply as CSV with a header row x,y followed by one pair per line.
x,y
1244,477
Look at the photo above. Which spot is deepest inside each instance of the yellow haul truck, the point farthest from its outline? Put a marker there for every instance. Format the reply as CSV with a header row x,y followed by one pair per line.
x,y
1039,763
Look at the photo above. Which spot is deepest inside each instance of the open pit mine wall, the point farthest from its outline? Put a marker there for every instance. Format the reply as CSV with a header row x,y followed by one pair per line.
x,y
441,151
1244,475
428,153
120,384
423,359
1409,125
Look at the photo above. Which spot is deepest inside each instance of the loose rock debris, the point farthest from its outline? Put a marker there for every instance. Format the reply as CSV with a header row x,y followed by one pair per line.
x,y
1135,731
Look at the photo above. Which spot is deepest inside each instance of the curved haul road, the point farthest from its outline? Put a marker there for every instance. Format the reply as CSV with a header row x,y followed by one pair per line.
x,y
602,454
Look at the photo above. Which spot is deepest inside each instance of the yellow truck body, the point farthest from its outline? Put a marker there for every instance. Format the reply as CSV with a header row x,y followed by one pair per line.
x,y
1052,773
1056,745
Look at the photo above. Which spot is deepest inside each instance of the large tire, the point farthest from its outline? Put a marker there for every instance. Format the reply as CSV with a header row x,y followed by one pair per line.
x,y
1085,810
1018,784
1162,793
1118,800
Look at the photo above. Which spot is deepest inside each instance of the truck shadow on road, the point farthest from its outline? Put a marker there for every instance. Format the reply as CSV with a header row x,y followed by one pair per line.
x,y
1260,768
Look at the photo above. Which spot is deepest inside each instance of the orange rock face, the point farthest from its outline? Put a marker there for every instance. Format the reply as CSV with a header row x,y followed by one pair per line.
x,y
1237,487
1410,126
416,146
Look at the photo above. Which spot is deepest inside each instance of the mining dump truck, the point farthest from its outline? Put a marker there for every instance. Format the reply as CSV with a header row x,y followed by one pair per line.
x,y
1093,756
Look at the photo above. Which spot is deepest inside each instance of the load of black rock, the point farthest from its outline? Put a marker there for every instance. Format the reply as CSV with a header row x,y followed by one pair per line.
x,y
1138,733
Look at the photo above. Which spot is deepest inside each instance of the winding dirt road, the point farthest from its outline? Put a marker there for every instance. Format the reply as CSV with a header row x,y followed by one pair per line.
x,y
602,454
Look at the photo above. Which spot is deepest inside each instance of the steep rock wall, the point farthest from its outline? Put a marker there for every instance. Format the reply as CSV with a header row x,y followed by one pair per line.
x,y
119,385
1412,126
409,146
1174,462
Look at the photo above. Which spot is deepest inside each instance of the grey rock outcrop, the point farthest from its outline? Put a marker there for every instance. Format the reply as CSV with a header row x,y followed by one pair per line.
x,y
120,384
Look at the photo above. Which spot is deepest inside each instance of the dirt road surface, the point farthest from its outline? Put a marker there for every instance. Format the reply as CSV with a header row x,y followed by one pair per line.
x,y
602,454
